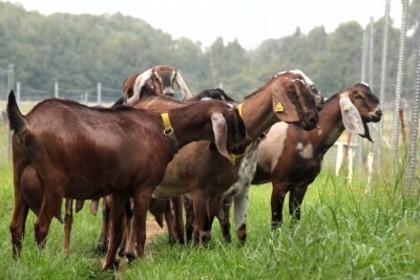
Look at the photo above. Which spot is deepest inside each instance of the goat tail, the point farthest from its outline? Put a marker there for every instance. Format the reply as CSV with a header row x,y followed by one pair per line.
x,y
16,119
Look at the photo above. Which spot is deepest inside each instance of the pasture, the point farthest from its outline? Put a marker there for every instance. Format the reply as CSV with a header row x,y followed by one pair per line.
x,y
344,233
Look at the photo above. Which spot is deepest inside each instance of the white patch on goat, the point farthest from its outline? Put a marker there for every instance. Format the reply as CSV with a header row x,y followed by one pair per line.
x,y
272,146
319,132
305,152
247,169
205,98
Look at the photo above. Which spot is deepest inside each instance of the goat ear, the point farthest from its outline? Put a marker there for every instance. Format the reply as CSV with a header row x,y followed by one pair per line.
x,y
351,117
220,134
182,86
138,85
283,108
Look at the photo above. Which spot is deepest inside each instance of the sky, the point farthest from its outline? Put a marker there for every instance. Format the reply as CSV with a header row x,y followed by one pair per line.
x,y
250,22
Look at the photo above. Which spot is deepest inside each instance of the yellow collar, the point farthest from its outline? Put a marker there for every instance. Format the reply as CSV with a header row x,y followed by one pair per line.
x,y
169,132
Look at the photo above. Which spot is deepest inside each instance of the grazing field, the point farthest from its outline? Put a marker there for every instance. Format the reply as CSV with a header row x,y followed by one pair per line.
x,y
344,233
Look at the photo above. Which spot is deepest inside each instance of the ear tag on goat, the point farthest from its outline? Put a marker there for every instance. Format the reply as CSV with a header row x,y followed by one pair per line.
x,y
233,158
346,107
279,108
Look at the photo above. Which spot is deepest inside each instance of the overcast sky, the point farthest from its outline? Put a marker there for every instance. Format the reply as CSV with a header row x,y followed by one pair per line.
x,y
251,22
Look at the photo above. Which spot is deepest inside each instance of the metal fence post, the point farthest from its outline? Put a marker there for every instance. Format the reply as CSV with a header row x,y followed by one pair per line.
x,y
56,89
99,91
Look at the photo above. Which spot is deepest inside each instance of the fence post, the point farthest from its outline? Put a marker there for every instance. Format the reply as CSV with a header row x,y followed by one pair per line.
x,y
400,75
56,89
382,84
412,157
10,78
99,90
363,79
18,92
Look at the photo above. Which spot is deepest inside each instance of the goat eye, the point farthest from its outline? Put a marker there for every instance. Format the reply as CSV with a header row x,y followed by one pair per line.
x,y
358,96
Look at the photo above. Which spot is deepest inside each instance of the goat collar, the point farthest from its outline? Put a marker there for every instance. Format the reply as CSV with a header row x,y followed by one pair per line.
x,y
169,132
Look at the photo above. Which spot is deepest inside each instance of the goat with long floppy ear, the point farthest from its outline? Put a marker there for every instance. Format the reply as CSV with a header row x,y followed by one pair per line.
x,y
351,116
158,72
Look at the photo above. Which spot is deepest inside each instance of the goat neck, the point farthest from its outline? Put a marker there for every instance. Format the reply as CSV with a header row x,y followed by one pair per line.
x,y
257,113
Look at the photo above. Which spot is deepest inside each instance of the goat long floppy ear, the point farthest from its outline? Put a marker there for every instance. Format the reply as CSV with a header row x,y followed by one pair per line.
x,y
138,85
220,133
351,117
283,107
182,86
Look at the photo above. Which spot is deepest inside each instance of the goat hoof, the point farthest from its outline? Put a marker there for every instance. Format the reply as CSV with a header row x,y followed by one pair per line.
x,y
130,257
102,248
114,265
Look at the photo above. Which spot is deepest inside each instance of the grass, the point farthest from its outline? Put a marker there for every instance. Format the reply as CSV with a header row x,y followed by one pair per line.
x,y
344,233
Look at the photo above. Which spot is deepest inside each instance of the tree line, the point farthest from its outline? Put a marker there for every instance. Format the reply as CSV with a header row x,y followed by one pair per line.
x,y
80,50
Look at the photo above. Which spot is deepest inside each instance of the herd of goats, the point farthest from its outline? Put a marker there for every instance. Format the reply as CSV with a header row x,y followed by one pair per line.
x,y
151,152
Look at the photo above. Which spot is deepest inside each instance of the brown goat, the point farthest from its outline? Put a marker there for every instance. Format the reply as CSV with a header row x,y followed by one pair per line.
x,y
201,171
162,79
352,108
86,153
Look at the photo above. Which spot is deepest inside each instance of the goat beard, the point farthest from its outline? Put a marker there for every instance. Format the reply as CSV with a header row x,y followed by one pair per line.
x,y
367,132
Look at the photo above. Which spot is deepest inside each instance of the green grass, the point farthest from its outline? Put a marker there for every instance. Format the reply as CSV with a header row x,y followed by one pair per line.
x,y
343,234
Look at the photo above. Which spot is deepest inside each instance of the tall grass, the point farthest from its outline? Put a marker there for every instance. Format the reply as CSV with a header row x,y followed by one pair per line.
x,y
344,233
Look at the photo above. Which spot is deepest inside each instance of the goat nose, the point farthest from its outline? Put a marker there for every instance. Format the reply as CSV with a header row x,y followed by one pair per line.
x,y
379,112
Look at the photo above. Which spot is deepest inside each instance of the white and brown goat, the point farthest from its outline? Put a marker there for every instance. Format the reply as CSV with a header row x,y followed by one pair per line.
x,y
85,153
291,158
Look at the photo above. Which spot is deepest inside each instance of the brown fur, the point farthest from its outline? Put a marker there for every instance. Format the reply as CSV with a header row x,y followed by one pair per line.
x,y
85,153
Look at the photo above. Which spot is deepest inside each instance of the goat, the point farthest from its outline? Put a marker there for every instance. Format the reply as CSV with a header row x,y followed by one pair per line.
x,y
162,79
159,207
85,153
197,169
291,158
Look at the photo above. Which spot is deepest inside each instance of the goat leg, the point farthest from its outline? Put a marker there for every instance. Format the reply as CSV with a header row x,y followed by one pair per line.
x,y
277,200
17,225
189,218
179,220
201,233
116,230
297,194
68,222
240,212
141,206
103,238
223,217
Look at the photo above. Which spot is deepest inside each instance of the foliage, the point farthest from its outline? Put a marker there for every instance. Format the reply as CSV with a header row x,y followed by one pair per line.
x,y
80,50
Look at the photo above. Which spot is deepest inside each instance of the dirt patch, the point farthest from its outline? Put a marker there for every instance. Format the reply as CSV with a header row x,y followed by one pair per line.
x,y
152,228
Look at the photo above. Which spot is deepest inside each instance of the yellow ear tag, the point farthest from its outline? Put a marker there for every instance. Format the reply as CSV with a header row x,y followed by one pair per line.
x,y
346,107
279,107
233,158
